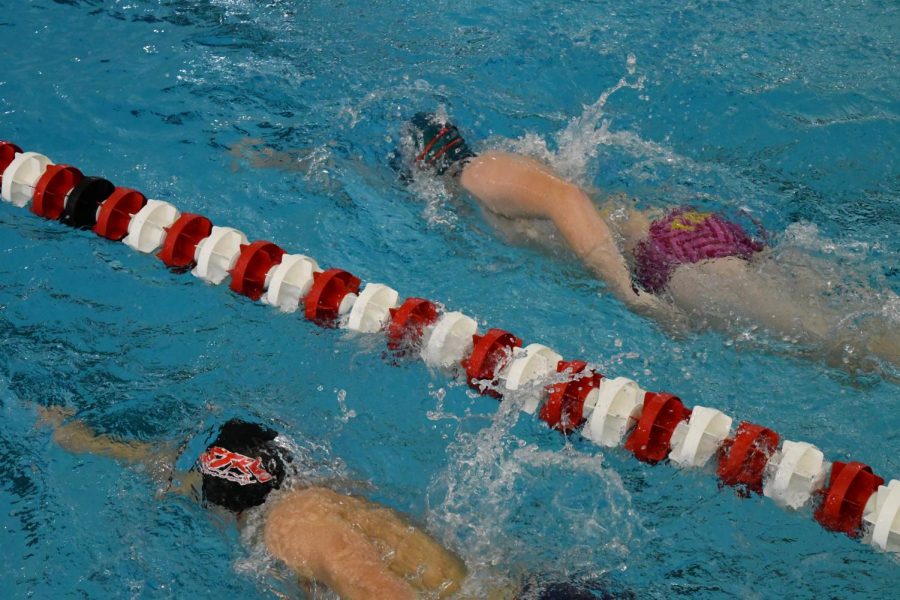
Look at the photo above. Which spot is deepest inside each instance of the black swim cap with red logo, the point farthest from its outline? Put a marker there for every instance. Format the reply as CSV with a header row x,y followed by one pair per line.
x,y
438,144
242,465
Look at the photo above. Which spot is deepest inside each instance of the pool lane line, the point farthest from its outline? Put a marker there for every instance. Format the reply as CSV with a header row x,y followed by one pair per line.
x,y
571,395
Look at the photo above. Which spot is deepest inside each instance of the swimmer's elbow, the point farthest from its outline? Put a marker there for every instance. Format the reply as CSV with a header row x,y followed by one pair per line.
x,y
516,186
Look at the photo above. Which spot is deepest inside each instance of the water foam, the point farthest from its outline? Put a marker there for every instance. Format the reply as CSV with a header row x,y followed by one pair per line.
x,y
511,508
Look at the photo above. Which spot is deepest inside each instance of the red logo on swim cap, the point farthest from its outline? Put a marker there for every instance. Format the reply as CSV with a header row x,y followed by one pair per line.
x,y
232,466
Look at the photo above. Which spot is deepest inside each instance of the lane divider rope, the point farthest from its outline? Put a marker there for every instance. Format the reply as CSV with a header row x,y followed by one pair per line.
x,y
568,395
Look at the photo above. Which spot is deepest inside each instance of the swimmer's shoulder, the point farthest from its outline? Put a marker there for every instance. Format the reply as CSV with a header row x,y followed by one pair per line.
x,y
311,502
292,515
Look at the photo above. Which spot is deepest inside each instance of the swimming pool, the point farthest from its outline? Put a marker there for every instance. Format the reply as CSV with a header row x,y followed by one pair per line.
x,y
789,111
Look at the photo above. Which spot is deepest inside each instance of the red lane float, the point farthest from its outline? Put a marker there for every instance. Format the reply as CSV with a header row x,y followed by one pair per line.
x,y
116,212
564,407
851,486
8,152
50,192
489,355
182,238
248,277
743,458
323,303
650,440
409,321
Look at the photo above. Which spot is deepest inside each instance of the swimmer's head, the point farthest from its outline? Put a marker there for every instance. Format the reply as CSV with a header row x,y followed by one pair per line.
x,y
242,465
438,144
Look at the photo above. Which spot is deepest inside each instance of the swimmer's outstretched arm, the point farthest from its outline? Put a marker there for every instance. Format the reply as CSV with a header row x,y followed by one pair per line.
x,y
78,438
517,186
254,152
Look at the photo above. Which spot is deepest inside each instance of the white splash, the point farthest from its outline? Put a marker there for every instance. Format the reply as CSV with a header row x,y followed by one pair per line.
x,y
439,412
346,413
491,501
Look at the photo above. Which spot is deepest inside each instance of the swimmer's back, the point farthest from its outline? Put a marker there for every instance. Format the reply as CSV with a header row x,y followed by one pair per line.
x,y
313,530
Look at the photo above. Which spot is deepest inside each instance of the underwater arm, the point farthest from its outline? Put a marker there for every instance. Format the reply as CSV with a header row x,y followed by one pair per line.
x,y
256,154
78,438
158,459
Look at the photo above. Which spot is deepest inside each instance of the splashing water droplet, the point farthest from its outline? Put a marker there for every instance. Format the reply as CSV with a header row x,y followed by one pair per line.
x,y
346,414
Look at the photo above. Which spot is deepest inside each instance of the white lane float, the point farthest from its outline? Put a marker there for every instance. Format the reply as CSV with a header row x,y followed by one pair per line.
x,y
147,229
882,515
618,407
21,176
794,473
450,340
217,254
290,282
534,363
371,311
694,442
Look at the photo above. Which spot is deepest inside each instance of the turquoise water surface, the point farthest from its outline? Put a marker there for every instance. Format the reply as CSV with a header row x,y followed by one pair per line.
x,y
789,111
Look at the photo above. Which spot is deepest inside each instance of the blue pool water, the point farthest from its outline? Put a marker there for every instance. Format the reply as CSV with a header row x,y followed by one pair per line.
x,y
789,110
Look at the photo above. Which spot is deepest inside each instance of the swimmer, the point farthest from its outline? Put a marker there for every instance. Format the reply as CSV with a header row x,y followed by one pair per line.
x,y
358,549
681,265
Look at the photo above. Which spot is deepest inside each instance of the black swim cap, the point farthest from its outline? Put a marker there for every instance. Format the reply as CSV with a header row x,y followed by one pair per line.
x,y
438,143
242,466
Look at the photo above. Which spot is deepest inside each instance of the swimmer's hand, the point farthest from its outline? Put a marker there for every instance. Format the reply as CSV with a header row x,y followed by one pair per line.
x,y
654,307
52,416
645,303
254,152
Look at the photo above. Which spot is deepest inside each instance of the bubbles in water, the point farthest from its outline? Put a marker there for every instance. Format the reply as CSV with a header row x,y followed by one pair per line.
x,y
346,414
256,561
631,63
438,413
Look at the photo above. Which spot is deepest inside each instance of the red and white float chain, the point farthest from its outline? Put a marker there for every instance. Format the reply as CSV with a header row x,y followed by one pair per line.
x,y
653,426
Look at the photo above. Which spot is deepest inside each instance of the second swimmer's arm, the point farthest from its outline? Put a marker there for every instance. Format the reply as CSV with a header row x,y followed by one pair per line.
x,y
517,186
76,437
